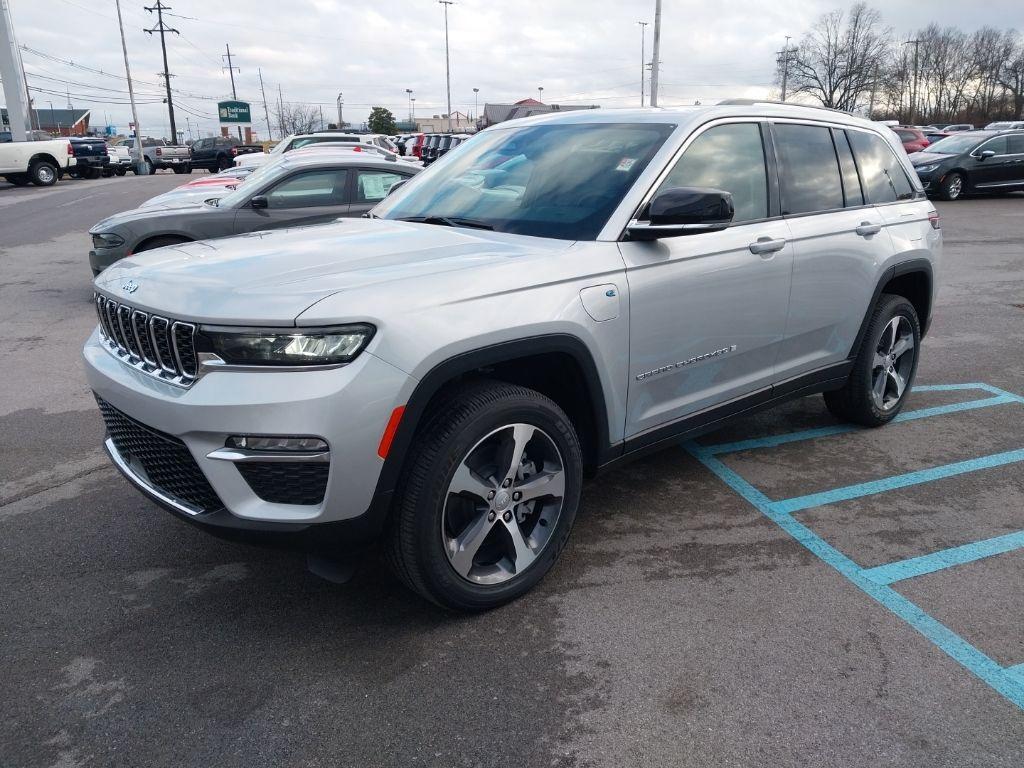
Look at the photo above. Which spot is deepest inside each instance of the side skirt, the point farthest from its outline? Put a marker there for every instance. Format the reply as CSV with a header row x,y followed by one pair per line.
x,y
710,419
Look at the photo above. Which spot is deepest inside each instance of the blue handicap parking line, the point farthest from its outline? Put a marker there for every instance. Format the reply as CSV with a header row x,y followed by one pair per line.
x,y
875,582
898,481
946,558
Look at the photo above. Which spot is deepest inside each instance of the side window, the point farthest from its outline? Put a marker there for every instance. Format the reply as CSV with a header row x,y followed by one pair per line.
x,y
883,176
373,186
851,181
730,158
808,169
999,145
309,189
1016,144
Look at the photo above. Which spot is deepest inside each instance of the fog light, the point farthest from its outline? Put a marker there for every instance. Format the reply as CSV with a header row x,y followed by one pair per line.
x,y
272,443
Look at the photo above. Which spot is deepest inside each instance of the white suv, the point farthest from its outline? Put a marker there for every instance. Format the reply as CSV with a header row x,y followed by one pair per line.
x,y
560,295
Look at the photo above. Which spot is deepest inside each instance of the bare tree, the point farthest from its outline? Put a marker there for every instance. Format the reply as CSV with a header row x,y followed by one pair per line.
x,y
296,118
1011,74
840,60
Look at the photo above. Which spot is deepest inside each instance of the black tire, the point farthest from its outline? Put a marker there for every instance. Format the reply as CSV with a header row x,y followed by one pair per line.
x,y
160,242
855,401
152,167
178,169
414,546
121,171
92,173
18,179
43,173
953,186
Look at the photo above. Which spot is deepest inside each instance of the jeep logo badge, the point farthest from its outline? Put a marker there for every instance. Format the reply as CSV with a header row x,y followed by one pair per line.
x,y
130,287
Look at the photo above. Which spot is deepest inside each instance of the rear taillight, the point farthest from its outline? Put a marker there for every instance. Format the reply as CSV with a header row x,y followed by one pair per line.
x,y
159,152
933,219
71,150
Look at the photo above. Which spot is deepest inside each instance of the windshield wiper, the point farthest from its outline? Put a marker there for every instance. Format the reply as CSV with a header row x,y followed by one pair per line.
x,y
448,221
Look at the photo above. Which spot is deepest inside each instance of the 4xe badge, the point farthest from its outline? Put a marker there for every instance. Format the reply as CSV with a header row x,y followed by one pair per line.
x,y
130,287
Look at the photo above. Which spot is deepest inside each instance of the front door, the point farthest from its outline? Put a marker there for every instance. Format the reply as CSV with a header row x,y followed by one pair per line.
x,y
305,197
707,311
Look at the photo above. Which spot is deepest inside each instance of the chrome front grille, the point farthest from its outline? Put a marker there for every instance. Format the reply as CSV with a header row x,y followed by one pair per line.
x,y
160,346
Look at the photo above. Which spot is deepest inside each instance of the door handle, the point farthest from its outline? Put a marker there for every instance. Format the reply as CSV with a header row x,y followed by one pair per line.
x,y
765,245
866,229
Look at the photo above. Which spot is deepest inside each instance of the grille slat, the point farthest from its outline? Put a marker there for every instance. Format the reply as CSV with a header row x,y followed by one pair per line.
x,y
160,346
165,460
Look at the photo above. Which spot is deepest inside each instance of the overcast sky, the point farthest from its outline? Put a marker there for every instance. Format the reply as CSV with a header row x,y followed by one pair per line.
x,y
580,51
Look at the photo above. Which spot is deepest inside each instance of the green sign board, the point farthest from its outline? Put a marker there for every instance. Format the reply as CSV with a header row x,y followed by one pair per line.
x,y
234,113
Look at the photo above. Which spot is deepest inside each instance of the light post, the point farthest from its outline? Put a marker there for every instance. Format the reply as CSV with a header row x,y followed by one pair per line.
x,y
409,93
447,62
540,93
476,105
341,103
643,57
412,110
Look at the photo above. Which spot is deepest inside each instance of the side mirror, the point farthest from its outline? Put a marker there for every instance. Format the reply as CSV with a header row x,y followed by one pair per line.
x,y
684,211
985,154
258,202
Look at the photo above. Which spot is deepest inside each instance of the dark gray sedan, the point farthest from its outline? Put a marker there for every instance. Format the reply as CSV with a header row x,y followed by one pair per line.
x,y
296,191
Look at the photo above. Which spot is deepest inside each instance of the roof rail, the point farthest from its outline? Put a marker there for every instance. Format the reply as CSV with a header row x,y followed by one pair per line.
x,y
751,102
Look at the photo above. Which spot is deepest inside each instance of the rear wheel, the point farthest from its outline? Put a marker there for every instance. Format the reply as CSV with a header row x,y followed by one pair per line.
x,y
490,494
151,166
952,187
884,370
121,171
43,173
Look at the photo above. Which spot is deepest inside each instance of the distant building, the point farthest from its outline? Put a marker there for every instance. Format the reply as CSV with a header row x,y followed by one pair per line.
x,y
59,122
499,113
460,123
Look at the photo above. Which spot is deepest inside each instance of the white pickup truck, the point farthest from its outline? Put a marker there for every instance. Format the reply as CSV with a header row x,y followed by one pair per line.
x,y
35,162
160,153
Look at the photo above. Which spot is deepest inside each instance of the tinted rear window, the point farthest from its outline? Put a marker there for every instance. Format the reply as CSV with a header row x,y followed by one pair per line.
x,y
883,176
808,169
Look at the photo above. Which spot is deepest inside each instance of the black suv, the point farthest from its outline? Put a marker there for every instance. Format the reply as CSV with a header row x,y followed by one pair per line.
x,y
219,152
973,161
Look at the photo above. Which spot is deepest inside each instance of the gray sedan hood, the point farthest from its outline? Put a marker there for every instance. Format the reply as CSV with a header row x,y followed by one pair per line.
x,y
270,278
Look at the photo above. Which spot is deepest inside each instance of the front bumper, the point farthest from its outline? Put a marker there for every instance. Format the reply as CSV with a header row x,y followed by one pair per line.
x,y
348,407
101,258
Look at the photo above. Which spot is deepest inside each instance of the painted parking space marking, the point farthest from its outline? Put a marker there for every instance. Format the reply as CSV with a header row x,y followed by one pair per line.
x,y
875,582
947,558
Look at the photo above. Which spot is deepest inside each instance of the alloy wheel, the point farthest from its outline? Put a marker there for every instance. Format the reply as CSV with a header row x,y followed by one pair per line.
x,y
45,174
893,363
503,504
956,186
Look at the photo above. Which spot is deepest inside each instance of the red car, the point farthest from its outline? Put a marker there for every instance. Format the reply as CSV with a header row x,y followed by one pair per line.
x,y
913,138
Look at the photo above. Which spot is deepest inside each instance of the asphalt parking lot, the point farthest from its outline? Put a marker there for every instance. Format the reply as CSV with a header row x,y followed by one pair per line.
x,y
769,595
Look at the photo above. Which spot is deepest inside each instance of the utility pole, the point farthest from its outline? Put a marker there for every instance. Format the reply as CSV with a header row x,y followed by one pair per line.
x,y
231,70
140,166
341,103
447,61
785,67
280,110
643,58
162,29
266,112
322,123
656,61
913,92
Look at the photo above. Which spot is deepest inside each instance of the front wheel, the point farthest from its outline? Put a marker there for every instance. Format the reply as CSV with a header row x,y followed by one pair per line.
x,y
884,369
952,187
491,490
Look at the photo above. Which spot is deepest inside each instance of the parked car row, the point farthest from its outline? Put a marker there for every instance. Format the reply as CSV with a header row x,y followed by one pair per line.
x,y
437,145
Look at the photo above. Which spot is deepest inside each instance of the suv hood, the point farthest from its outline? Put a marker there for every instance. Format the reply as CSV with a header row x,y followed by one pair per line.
x,y
270,278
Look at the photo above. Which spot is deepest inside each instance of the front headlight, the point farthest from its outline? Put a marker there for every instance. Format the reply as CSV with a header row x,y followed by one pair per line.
x,y
280,346
926,168
106,240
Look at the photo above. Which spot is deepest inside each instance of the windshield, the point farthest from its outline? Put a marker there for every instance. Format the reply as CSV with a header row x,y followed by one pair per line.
x,y
952,145
560,181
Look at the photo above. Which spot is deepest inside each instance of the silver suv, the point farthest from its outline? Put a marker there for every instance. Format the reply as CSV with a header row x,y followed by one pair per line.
x,y
560,295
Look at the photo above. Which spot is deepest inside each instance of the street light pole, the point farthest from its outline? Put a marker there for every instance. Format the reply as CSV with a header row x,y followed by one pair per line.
x,y
341,102
447,62
643,58
412,109
655,61
476,105
540,93
409,92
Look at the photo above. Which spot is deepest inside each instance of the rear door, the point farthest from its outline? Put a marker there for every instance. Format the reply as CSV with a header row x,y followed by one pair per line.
x,y
1016,158
312,196
838,241
369,187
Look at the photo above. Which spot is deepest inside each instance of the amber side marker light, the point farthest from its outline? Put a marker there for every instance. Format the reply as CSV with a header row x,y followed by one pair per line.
x,y
389,432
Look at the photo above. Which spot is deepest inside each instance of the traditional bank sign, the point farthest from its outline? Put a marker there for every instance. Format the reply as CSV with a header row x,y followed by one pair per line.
x,y
234,113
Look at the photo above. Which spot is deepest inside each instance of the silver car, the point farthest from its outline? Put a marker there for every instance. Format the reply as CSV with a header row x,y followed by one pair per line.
x,y
562,294
296,190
